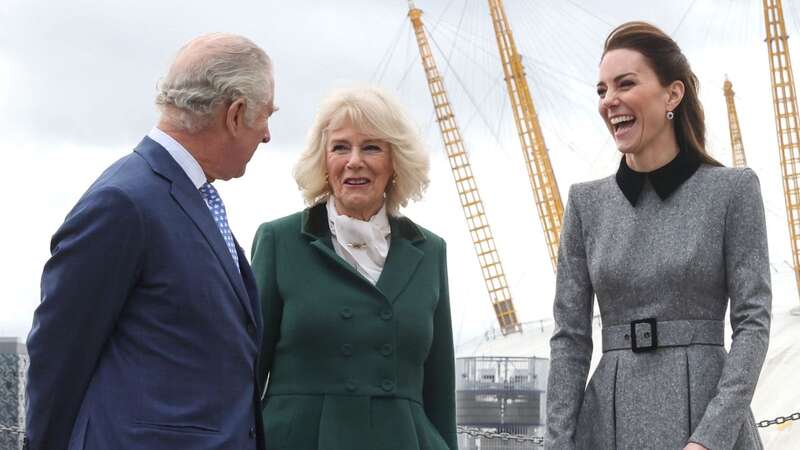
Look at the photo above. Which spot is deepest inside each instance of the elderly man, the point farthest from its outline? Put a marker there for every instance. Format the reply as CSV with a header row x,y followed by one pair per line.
x,y
149,327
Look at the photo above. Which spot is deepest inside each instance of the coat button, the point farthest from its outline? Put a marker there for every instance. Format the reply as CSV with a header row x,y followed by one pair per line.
x,y
627,337
346,313
387,385
386,349
347,350
251,329
252,433
387,314
350,386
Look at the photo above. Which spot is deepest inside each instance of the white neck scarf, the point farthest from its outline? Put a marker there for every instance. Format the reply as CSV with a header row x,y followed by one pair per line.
x,y
363,244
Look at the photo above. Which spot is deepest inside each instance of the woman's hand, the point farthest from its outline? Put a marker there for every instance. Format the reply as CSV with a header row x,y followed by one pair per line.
x,y
693,446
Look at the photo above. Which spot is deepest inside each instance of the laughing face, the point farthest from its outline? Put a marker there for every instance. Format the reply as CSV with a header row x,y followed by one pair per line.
x,y
634,104
359,169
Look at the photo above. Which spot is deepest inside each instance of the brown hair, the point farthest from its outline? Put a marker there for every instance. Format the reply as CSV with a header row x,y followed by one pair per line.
x,y
668,62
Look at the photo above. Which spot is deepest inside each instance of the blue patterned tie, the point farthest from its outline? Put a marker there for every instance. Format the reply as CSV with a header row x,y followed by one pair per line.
x,y
217,208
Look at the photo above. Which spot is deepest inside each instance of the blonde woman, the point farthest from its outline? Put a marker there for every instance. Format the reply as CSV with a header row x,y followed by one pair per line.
x,y
358,346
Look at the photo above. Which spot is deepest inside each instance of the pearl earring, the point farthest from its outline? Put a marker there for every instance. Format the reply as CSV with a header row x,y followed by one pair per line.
x,y
670,115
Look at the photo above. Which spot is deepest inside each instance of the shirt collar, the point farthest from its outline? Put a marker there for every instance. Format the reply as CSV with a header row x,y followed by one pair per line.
x,y
180,155
377,225
665,180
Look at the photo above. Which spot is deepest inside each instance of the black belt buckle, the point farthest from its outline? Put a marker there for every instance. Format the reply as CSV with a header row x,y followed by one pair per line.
x,y
652,334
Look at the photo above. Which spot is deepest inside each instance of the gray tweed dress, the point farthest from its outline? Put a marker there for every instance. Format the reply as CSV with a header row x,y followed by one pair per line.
x,y
663,253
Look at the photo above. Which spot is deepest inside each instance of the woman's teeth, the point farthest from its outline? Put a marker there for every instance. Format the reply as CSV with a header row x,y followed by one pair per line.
x,y
619,122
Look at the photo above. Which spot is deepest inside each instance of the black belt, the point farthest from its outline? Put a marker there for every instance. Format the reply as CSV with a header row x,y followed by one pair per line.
x,y
650,334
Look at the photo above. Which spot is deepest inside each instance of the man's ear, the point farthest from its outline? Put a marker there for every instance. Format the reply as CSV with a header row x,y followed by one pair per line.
x,y
234,116
675,92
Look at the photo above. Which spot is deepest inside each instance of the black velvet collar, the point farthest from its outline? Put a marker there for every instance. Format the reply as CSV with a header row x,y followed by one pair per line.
x,y
665,179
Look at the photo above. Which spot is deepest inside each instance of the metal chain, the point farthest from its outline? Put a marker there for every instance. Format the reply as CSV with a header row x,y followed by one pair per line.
x,y
539,440
11,429
475,432
779,420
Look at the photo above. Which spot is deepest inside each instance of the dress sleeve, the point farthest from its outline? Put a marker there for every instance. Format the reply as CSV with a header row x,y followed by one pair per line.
x,y
438,391
95,263
748,283
265,272
571,344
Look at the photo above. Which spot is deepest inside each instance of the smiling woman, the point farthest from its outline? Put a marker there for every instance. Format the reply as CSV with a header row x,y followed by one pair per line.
x,y
359,167
666,245
358,347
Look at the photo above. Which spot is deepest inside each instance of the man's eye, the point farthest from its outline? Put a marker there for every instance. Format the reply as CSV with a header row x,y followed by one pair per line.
x,y
601,93
626,83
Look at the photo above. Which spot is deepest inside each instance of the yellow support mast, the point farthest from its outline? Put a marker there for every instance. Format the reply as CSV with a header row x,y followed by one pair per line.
x,y
786,120
737,147
482,238
540,171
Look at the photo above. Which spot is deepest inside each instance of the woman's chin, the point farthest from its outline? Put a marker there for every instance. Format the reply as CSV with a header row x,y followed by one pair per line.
x,y
358,205
626,148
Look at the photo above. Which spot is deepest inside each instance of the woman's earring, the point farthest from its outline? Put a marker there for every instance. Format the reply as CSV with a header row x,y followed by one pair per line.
x,y
326,177
394,179
670,115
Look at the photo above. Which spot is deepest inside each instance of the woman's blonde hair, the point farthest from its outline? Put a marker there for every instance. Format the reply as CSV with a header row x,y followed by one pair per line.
x,y
378,114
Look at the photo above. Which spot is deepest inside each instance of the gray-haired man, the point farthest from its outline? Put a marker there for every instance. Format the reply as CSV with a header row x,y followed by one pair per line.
x,y
149,328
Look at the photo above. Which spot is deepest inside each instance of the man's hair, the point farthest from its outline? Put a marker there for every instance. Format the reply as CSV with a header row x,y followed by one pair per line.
x,y
212,70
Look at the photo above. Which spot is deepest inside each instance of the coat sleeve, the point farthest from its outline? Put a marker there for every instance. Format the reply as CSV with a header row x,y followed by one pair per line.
x,y
571,344
438,391
265,272
94,264
748,283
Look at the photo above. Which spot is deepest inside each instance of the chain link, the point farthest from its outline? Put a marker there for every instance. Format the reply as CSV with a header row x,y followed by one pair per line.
x,y
539,440
779,420
11,429
476,432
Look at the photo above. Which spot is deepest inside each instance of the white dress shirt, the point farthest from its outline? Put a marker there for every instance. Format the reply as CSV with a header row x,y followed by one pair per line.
x,y
180,155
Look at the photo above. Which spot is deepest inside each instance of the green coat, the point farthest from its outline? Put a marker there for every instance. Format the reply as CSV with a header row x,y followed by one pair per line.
x,y
351,365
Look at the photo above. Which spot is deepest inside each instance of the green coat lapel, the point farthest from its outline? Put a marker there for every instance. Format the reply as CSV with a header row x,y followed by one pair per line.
x,y
401,262
403,258
315,226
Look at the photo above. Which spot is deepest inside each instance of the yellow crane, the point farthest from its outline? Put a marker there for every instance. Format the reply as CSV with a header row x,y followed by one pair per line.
x,y
540,171
733,125
786,120
481,233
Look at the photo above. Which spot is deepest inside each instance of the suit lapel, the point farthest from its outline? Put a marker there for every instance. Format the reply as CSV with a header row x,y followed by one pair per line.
x,y
401,261
192,203
250,286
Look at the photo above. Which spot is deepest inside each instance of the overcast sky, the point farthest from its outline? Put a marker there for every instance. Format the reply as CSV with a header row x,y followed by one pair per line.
x,y
77,81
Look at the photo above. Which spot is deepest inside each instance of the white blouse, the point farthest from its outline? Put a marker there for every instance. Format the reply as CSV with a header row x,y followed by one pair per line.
x,y
363,244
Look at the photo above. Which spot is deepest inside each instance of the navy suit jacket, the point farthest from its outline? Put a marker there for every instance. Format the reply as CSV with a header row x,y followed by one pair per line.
x,y
147,335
